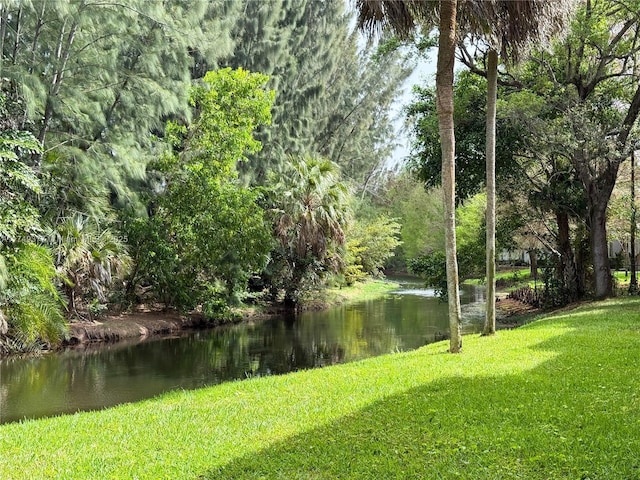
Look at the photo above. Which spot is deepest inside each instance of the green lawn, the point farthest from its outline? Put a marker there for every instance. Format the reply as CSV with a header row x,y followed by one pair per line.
x,y
558,398
516,277
358,292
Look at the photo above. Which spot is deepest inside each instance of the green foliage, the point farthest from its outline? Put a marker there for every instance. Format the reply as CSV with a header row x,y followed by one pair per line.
x,y
91,259
433,268
135,60
471,236
310,212
230,105
470,231
555,291
30,305
19,219
206,234
470,98
370,243
419,212
30,301
334,95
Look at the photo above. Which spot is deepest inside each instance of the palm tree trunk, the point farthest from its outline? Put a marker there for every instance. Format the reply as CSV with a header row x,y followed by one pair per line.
x,y
492,95
444,93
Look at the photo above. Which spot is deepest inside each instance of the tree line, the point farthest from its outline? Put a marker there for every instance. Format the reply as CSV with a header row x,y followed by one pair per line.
x,y
175,152
202,154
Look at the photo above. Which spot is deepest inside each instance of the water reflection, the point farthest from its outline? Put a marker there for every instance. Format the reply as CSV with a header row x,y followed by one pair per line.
x,y
99,377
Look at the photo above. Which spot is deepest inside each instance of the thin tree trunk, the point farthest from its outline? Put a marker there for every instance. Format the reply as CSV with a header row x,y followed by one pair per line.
x,y
4,18
492,95
533,263
633,284
62,57
444,93
18,33
581,256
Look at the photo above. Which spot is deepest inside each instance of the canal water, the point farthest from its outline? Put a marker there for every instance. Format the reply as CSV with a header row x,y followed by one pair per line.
x,y
107,375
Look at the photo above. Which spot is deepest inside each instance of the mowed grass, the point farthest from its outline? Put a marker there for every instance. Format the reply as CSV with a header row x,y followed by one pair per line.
x,y
358,292
558,398
516,277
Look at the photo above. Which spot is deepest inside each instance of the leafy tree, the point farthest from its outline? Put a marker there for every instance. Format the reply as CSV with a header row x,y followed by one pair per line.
x,y
19,218
509,29
91,260
333,96
418,211
370,243
470,232
511,23
590,81
98,79
310,213
30,303
205,230
469,118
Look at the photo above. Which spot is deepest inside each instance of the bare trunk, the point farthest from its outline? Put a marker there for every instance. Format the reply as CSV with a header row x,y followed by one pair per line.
x,y
444,93
18,30
633,284
567,268
4,18
492,95
600,250
582,256
533,263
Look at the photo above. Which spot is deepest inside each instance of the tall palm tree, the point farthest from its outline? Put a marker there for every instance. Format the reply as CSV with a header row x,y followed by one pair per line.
x,y
444,106
403,17
509,29
513,24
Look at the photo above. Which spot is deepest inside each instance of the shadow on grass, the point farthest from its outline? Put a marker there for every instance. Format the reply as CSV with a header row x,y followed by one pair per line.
x,y
574,416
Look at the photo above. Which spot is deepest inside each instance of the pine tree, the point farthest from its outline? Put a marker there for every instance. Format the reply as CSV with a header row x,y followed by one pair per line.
x,y
332,96
99,79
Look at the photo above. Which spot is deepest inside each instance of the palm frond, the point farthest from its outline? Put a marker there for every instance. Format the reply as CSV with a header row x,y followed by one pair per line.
x,y
401,17
513,27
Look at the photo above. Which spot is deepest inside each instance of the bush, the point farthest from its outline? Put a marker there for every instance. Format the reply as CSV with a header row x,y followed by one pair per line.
x,y
433,268
30,302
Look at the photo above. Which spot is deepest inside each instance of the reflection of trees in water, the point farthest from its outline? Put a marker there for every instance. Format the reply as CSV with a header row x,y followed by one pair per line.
x,y
128,372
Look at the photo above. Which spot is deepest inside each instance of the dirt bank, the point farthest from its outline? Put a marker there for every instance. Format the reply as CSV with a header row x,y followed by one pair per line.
x,y
149,323
115,328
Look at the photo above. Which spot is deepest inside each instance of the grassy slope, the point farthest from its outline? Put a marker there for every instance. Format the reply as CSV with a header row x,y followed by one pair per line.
x,y
559,398
360,291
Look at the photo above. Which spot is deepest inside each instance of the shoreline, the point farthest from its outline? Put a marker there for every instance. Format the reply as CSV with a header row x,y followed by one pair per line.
x,y
146,324
154,324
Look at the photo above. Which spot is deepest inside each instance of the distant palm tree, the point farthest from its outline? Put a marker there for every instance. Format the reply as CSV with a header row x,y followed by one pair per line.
x,y
310,220
89,258
511,23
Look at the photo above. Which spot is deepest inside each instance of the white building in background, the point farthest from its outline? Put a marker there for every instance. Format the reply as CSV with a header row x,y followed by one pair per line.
x,y
514,256
616,248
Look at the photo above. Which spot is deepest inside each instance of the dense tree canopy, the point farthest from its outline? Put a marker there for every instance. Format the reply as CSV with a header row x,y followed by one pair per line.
x,y
120,152
171,151
469,115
